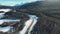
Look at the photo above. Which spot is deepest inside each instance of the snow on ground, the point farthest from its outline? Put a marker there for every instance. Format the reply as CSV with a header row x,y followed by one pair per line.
x,y
35,21
5,10
5,29
29,23
8,20
2,15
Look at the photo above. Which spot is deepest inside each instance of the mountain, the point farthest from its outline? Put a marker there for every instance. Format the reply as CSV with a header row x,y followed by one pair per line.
x,y
40,6
48,13
48,16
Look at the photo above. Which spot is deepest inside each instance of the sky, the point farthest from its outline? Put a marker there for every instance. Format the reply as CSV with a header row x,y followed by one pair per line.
x,y
14,2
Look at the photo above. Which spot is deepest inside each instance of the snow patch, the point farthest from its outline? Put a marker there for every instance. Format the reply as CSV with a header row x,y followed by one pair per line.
x,y
5,29
29,23
8,20
5,10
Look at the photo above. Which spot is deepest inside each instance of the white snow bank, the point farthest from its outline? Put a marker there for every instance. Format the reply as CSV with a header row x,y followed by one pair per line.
x,y
8,20
5,10
29,23
5,29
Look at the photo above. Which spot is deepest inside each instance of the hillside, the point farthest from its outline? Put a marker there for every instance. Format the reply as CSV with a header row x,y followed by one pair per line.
x,y
48,16
48,13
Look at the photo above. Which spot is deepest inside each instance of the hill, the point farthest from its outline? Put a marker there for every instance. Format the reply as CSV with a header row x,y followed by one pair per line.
x,y
48,13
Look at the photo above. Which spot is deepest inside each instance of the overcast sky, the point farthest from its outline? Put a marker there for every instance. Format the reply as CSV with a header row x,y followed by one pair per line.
x,y
14,2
